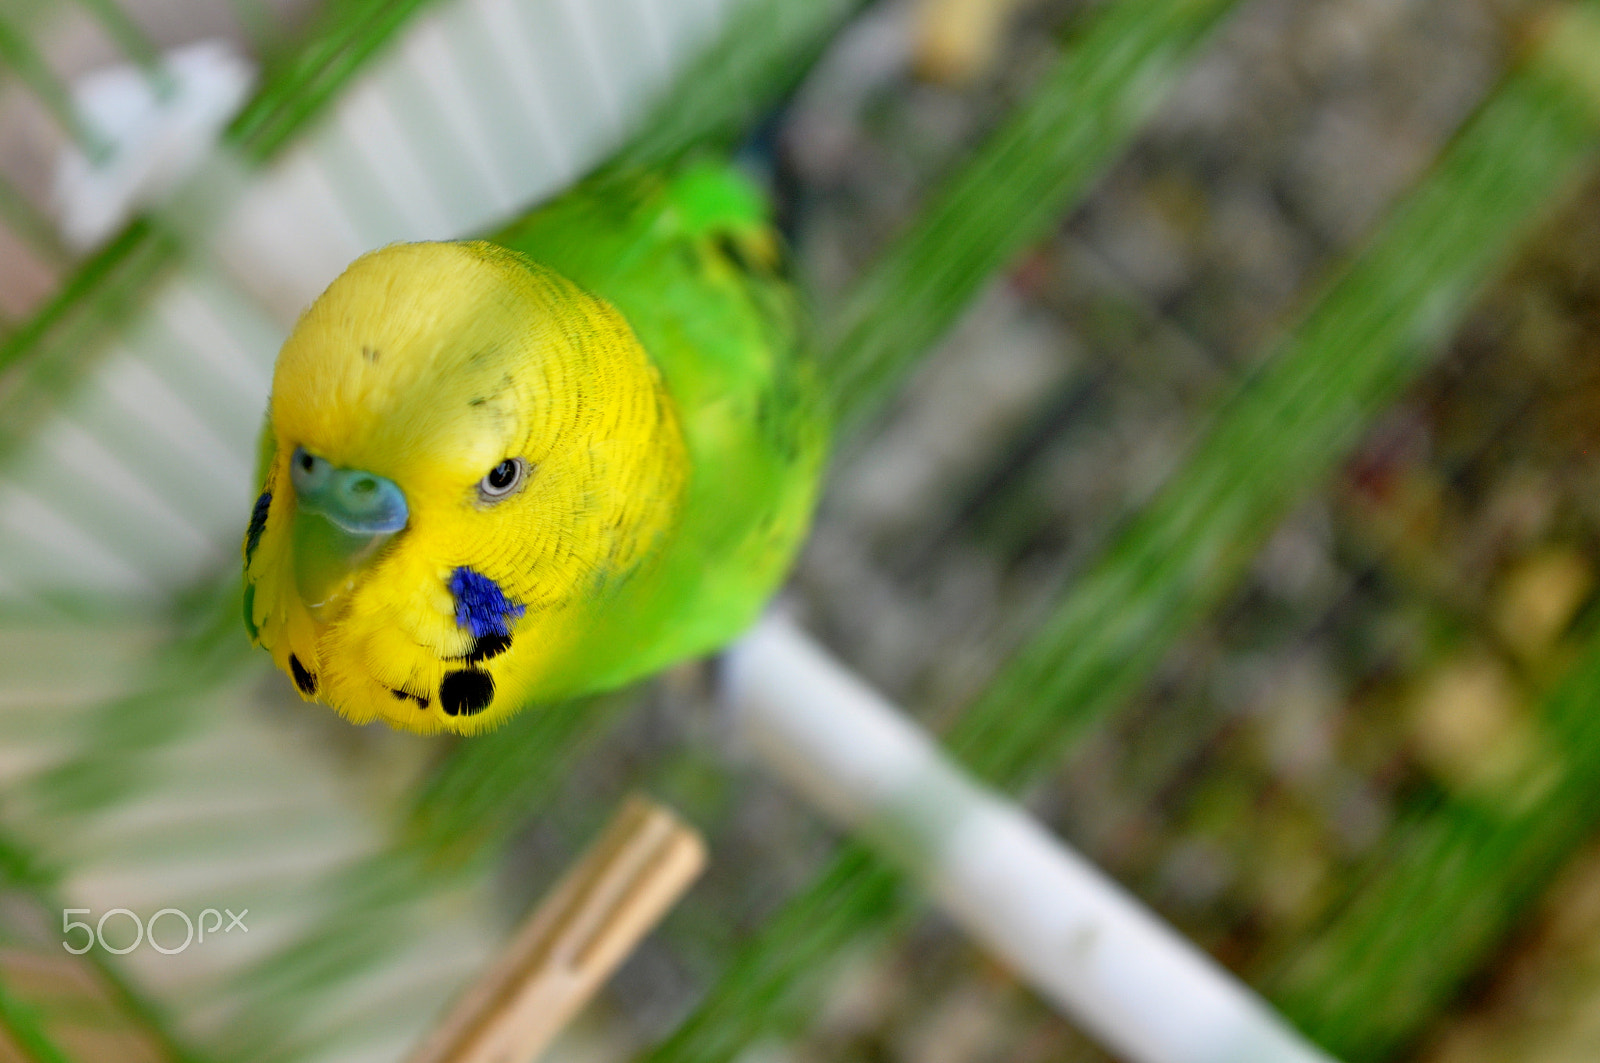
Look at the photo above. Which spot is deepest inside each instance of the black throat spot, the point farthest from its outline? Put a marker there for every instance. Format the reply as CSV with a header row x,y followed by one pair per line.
x,y
305,680
466,692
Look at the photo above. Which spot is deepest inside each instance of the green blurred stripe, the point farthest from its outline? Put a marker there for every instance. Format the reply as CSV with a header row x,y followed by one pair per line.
x,y
772,986
1373,332
105,268
114,759
1277,437
22,1026
1451,881
18,52
19,871
347,34
51,351
1015,190
765,50
485,789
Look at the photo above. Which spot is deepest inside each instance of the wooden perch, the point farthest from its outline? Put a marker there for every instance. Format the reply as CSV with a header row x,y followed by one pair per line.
x,y
572,941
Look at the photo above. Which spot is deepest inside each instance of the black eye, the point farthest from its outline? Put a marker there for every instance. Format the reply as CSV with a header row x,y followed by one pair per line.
x,y
502,479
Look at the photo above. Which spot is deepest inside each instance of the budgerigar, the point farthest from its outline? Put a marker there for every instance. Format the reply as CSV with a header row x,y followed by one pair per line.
x,y
503,472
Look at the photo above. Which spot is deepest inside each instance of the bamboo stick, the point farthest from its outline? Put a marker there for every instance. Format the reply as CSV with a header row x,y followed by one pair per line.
x,y
572,941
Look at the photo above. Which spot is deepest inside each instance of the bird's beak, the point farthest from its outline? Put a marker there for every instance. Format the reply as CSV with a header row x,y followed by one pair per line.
x,y
343,517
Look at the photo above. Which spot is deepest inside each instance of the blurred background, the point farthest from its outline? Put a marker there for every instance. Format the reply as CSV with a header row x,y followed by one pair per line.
x,y
1218,397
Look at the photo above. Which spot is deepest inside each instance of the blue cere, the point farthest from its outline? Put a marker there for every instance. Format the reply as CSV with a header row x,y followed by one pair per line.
x,y
481,607
258,524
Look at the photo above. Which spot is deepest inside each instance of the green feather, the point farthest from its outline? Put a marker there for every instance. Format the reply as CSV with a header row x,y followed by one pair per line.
x,y
691,261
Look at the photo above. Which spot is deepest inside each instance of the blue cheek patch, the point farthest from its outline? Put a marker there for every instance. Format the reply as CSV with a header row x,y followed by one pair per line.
x,y
481,607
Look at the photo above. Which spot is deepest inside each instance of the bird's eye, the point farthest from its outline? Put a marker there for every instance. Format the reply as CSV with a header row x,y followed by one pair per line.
x,y
308,472
502,479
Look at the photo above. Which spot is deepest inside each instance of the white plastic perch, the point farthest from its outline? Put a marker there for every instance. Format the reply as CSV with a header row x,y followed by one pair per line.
x,y
1077,937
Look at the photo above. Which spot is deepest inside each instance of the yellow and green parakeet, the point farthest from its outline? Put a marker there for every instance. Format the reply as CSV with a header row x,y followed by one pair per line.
x,y
516,470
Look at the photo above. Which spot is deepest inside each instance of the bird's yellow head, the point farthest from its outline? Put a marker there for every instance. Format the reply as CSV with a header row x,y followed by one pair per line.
x,y
467,454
